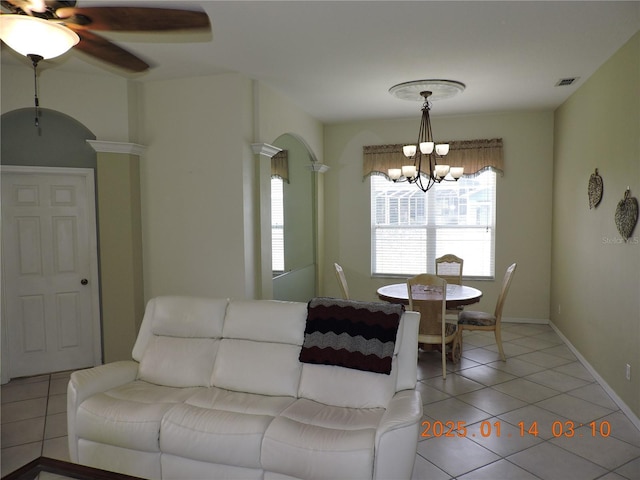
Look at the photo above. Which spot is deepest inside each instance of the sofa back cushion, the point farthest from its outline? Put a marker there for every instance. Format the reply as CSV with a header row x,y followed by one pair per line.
x,y
179,339
178,362
260,349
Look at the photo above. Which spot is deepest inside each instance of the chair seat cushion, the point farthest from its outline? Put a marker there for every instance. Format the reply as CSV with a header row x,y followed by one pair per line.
x,y
220,426
473,317
313,440
128,416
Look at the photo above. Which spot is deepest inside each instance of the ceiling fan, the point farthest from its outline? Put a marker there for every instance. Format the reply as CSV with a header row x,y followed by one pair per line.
x,y
83,21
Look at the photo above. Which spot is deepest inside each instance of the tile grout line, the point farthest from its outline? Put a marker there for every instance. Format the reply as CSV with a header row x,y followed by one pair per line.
x,y
546,368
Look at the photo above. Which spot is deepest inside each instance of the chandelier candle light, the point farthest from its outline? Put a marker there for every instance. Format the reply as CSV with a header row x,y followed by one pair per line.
x,y
426,171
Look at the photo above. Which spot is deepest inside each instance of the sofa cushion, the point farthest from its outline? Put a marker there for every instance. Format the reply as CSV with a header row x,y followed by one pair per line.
x,y
266,321
180,316
178,362
311,440
257,367
128,416
240,402
352,334
220,426
345,387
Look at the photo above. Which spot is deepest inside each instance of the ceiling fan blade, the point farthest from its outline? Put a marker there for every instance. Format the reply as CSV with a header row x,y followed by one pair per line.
x,y
105,50
134,18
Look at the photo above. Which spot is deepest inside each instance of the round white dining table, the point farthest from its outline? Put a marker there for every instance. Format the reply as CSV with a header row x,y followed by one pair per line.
x,y
457,295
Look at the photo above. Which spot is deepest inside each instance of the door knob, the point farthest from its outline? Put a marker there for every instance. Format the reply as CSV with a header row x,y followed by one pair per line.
x,y
84,281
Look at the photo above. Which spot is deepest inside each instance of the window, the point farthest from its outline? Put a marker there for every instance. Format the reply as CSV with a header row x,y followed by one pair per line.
x,y
410,229
277,224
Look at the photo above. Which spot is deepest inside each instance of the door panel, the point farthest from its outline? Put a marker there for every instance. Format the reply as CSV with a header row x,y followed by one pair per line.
x,y
48,250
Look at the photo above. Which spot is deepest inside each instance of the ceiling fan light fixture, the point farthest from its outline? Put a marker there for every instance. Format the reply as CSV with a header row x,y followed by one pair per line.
x,y
35,36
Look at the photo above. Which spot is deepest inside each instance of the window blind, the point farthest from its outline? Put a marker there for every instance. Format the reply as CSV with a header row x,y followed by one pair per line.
x,y
277,224
410,229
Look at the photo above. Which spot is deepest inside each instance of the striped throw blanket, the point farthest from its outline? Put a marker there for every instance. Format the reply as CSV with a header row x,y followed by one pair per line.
x,y
351,334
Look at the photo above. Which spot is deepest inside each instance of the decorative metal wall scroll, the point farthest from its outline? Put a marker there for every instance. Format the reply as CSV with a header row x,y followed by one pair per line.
x,y
627,215
595,189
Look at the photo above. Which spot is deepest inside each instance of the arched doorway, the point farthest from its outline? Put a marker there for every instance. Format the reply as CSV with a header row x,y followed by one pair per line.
x,y
297,279
50,309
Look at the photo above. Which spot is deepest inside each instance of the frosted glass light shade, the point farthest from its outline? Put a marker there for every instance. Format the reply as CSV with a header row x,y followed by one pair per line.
x,y
36,36
395,173
409,171
426,147
442,149
441,171
409,150
456,172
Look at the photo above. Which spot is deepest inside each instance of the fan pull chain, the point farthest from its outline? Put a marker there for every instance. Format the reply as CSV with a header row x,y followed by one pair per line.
x,y
34,60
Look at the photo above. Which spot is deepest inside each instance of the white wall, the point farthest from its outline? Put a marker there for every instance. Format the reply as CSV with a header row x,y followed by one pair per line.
x,y
277,115
194,206
200,196
524,196
99,102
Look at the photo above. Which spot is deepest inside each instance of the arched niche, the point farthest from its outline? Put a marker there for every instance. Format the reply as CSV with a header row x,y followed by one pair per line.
x,y
58,141
298,281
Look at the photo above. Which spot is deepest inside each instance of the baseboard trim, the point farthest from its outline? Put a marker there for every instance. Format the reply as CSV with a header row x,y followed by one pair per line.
x,y
539,321
614,396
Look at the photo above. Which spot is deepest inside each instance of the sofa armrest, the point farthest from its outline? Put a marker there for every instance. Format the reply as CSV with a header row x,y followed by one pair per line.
x,y
85,383
397,436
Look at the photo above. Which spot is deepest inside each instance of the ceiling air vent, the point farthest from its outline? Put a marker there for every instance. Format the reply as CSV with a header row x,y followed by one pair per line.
x,y
565,82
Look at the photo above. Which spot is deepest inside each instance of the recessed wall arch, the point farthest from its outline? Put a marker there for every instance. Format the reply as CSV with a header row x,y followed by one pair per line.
x,y
299,282
58,141
61,141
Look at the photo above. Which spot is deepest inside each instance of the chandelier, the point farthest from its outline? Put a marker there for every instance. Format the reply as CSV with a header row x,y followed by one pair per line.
x,y
428,168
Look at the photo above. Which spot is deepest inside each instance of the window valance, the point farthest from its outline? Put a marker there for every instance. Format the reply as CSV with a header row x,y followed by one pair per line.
x,y
280,165
474,155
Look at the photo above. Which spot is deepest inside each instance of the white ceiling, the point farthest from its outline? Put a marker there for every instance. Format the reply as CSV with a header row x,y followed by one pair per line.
x,y
337,59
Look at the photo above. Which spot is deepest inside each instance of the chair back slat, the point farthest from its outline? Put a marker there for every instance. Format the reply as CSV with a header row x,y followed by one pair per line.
x,y
342,281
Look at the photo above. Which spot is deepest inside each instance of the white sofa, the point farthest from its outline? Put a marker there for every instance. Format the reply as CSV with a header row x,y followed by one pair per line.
x,y
216,389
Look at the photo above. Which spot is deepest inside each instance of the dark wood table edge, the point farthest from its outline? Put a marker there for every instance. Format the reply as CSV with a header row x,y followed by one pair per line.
x,y
68,469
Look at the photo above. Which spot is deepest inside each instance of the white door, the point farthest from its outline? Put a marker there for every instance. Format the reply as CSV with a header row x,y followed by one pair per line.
x,y
49,271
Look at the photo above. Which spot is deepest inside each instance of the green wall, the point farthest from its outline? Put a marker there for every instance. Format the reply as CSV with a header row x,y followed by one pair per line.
x,y
523,212
58,141
595,299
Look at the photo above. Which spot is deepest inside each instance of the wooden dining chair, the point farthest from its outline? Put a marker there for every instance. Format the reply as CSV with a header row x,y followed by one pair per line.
x,y
449,267
475,320
432,312
342,281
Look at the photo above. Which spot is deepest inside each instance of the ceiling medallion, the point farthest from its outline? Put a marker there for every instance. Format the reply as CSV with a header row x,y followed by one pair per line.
x,y
440,89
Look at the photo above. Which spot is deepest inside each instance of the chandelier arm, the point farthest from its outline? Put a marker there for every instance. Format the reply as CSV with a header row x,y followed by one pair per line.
x,y
425,134
420,182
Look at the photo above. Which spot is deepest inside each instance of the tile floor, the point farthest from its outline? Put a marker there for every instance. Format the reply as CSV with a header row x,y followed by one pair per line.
x,y
541,384
34,420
